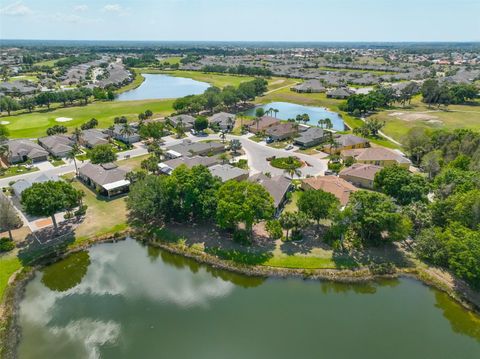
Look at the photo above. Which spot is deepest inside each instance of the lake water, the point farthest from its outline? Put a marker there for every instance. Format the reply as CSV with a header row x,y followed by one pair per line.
x,y
288,110
158,86
127,300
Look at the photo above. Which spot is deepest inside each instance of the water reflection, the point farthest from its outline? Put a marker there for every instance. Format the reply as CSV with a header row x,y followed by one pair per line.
x,y
67,273
461,321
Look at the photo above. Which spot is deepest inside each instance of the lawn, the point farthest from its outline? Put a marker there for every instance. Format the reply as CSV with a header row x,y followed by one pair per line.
x,y
218,80
48,63
309,262
400,120
103,215
31,78
28,125
9,264
291,206
17,170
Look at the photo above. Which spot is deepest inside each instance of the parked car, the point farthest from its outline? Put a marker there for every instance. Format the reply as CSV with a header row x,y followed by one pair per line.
x,y
269,140
289,147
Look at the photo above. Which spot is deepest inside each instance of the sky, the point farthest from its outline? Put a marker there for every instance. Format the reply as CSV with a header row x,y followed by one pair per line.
x,y
241,20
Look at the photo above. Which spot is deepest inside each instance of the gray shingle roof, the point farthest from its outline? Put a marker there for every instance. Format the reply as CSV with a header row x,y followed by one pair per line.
x,y
277,186
103,174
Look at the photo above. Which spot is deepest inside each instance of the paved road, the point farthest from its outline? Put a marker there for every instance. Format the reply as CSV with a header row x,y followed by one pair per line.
x,y
257,155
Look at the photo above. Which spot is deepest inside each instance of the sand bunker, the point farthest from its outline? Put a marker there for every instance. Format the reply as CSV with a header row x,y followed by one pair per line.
x,y
415,116
4,122
63,119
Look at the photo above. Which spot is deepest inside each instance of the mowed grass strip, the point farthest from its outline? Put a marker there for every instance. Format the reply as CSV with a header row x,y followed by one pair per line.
x,y
9,264
35,124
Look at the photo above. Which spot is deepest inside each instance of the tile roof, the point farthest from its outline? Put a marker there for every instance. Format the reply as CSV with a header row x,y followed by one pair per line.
x,y
361,170
334,185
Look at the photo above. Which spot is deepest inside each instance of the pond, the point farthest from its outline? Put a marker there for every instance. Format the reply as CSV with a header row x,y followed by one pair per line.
x,y
128,300
159,86
288,110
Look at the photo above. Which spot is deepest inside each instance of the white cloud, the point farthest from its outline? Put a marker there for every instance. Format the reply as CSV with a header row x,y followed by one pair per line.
x,y
16,9
113,8
80,8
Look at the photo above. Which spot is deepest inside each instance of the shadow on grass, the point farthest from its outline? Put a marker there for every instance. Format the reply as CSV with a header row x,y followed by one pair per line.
x,y
43,245
249,257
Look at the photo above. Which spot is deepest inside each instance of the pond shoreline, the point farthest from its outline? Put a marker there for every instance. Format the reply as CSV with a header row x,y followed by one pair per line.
x,y
10,332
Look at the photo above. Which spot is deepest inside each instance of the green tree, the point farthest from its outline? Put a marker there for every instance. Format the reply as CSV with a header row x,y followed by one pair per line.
x,y
274,229
200,124
417,143
9,218
375,219
72,155
102,154
400,184
49,198
318,205
243,202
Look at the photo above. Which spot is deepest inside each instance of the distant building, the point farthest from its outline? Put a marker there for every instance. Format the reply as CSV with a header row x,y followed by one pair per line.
x,y
360,175
106,179
118,133
168,166
309,86
282,131
331,184
24,150
378,156
21,185
228,172
277,186
262,124
57,145
340,93
346,142
93,137
189,149
311,137
225,121
186,120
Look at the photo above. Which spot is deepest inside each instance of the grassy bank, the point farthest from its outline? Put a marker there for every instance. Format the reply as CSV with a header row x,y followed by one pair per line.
x,y
9,264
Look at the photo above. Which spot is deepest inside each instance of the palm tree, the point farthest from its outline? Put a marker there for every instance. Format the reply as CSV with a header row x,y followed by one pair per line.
x,y
275,111
321,123
126,130
270,111
77,135
305,118
235,145
328,123
222,136
72,155
292,171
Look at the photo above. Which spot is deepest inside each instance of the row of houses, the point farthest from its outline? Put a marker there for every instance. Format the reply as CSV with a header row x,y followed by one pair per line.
x,y
223,120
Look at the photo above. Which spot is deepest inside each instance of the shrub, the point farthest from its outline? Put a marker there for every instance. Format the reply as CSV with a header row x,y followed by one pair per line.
x,y
382,268
241,236
286,162
6,244
81,211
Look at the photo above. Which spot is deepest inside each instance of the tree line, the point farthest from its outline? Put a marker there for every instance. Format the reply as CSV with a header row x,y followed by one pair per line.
x,y
214,97
238,70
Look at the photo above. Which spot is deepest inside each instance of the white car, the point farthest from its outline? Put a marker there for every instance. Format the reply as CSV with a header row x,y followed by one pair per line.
x,y
289,147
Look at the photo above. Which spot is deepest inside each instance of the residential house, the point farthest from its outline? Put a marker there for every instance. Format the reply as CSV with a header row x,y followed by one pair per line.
x,y
378,156
311,137
277,186
93,137
225,121
309,86
21,185
22,150
282,131
346,142
57,145
189,149
118,133
360,175
186,120
168,166
107,179
340,93
331,184
262,124
228,172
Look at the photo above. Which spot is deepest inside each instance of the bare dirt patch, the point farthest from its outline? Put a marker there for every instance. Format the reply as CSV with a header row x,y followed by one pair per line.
x,y
416,116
